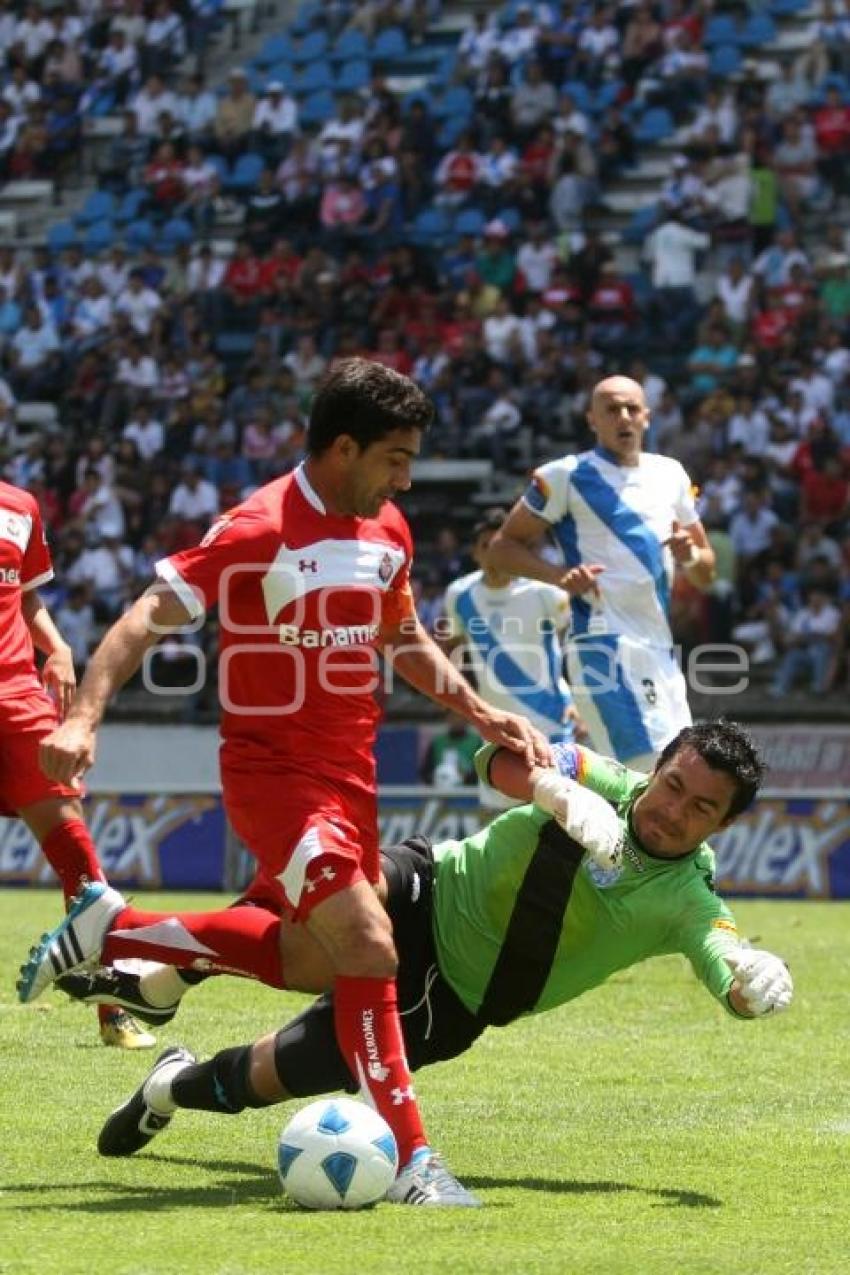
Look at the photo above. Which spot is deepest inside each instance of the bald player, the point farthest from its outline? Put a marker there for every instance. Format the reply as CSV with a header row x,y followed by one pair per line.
x,y
623,520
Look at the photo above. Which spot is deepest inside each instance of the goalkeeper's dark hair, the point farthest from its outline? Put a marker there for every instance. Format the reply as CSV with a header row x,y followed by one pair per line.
x,y
366,401
723,746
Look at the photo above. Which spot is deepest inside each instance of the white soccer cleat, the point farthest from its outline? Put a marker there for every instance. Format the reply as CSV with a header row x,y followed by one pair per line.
x,y
75,942
426,1180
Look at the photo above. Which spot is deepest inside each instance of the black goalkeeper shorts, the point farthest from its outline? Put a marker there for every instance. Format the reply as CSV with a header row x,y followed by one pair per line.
x,y
436,1024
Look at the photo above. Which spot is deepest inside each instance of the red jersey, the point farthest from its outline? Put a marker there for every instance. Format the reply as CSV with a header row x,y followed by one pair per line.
x,y
24,565
302,595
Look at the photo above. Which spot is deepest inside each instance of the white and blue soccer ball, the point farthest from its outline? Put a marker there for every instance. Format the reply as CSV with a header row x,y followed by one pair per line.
x,y
337,1154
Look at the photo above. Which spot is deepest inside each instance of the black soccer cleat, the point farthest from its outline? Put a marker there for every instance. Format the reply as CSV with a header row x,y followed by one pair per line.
x,y
107,986
133,1125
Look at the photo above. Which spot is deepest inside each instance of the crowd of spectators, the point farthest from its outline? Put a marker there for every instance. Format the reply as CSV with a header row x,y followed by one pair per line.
x,y
183,379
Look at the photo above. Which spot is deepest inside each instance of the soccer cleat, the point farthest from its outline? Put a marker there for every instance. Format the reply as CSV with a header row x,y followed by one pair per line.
x,y
76,941
132,1125
107,986
122,1031
426,1180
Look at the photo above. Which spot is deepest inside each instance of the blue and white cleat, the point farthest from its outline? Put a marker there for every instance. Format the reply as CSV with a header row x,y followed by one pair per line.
x,y
426,1180
75,942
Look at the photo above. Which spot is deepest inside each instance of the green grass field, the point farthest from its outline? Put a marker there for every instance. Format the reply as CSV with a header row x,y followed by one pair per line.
x,y
638,1130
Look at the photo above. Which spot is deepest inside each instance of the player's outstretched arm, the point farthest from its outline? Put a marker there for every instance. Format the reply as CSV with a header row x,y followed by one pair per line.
x,y
422,664
585,816
69,751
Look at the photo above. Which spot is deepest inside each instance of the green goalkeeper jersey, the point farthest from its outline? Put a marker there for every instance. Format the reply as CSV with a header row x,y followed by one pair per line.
x,y
575,927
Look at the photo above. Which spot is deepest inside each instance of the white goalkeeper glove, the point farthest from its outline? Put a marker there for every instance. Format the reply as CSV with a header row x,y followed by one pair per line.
x,y
584,816
763,979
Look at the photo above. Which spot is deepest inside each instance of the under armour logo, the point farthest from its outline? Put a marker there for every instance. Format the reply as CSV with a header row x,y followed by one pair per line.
x,y
399,1095
326,874
378,1072
308,564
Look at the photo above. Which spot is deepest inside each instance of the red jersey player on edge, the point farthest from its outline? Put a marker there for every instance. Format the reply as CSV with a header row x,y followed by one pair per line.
x,y
30,707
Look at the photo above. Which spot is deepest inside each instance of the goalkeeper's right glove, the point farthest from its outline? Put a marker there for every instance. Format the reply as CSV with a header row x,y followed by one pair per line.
x,y
763,979
584,816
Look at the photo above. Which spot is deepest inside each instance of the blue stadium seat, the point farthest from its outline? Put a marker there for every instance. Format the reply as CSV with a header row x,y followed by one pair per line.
x,y
349,45
759,29
511,217
456,101
99,205
389,44
245,172
431,228
61,236
313,46
99,236
606,96
450,131
283,71
724,60
130,207
308,15
102,104
139,234
580,94
353,75
314,77
234,344
176,231
643,220
318,108
654,125
469,221
787,8
721,29
221,166
277,48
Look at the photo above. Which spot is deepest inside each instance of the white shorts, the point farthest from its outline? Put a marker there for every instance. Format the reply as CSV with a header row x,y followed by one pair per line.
x,y
633,698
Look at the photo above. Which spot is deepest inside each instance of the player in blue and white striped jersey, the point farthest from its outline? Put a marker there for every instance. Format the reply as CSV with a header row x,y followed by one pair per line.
x,y
513,631
623,520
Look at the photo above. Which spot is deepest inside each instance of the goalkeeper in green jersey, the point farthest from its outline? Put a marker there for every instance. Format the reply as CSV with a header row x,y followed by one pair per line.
x,y
606,868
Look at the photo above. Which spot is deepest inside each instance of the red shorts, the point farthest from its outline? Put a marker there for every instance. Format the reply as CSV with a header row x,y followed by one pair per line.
x,y
24,722
311,837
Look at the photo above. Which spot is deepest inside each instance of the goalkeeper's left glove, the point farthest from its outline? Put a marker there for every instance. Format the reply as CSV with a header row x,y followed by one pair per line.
x,y
584,816
763,979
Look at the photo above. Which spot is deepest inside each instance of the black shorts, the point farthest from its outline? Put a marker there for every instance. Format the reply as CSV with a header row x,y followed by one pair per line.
x,y
436,1024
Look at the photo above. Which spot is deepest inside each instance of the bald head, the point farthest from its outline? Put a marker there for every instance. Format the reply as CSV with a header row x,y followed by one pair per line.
x,y
619,418
616,385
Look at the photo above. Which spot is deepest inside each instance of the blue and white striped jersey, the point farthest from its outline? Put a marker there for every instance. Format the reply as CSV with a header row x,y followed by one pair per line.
x,y
514,636
618,516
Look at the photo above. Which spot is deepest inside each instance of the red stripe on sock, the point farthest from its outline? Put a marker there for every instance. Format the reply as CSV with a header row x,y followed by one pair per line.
x,y
239,940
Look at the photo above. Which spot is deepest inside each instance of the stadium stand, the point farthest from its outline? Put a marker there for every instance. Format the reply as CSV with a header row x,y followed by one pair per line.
x,y
503,202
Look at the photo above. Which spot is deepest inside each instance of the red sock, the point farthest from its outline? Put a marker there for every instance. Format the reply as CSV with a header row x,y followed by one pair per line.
x,y
71,854
237,940
368,1032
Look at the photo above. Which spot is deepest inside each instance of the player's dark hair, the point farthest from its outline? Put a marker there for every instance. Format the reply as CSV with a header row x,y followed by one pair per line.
x,y
723,746
366,401
491,520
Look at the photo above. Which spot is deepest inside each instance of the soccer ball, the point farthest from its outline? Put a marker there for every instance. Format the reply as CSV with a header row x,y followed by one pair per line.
x,y
337,1154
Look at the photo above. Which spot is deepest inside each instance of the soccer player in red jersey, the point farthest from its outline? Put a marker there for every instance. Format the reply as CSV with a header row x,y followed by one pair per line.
x,y
30,707
311,578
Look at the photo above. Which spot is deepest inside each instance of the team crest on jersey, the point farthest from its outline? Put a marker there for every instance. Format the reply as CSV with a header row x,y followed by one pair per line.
x,y
602,878
385,569
16,528
221,524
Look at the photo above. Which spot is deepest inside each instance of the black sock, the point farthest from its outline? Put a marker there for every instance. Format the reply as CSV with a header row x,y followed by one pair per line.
x,y
220,1085
192,977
